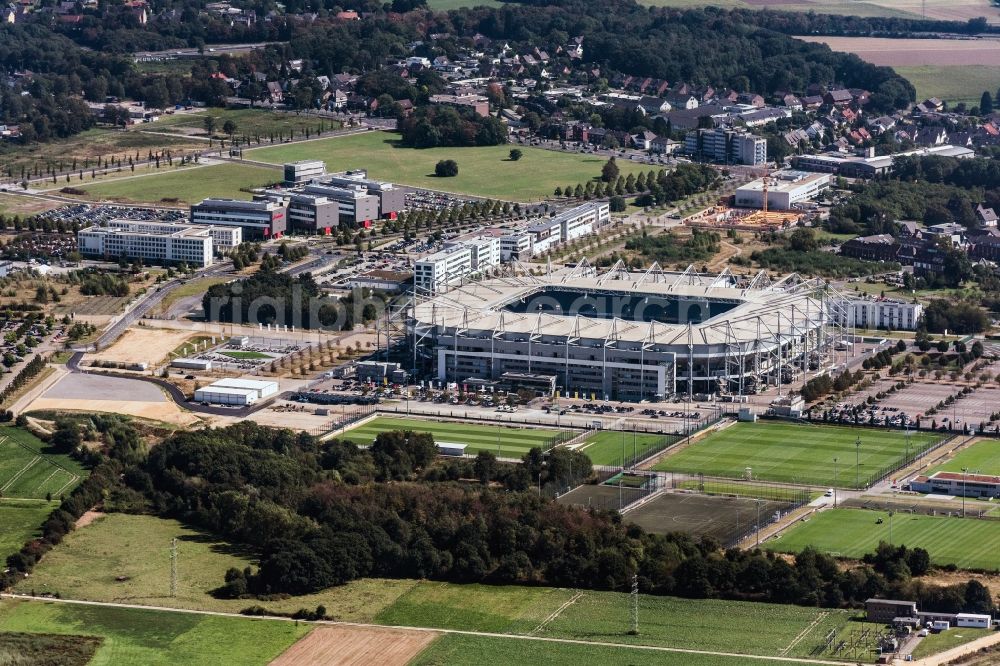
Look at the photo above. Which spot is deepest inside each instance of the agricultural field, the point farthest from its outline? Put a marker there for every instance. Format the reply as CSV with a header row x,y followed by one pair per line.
x,y
500,609
788,452
458,650
20,521
948,10
189,184
913,52
148,637
983,457
29,469
482,171
968,543
953,84
445,5
14,205
503,441
703,624
607,447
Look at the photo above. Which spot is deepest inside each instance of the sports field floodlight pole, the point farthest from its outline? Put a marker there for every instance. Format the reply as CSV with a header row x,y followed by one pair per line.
x,y
857,468
965,473
890,527
758,523
836,481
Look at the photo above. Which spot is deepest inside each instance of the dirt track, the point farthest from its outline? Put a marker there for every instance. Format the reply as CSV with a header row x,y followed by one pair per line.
x,y
349,646
140,344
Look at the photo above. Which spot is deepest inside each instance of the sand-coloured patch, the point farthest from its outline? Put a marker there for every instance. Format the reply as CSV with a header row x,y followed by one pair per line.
x,y
912,52
142,345
350,646
165,411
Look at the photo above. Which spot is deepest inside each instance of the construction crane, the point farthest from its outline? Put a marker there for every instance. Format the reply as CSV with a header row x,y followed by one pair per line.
x,y
765,183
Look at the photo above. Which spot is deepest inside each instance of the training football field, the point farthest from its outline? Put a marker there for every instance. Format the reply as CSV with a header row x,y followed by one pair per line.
x,y
796,453
968,543
505,442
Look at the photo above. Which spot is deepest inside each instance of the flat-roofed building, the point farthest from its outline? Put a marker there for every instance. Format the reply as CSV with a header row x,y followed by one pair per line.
x,y
983,486
516,246
391,199
354,204
784,189
312,213
454,263
303,171
880,313
224,239
261,218
160,242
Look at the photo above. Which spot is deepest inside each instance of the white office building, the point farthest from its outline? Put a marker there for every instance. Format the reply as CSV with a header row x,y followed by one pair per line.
x,y
457,261
159,242
784,189
262,218
224,239
515,246
879,313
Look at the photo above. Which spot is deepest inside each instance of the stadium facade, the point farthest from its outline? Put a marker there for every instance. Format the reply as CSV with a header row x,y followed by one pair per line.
x,y
626,335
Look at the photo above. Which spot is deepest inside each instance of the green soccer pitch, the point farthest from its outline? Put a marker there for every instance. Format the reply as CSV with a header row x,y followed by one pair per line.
x,y
796,453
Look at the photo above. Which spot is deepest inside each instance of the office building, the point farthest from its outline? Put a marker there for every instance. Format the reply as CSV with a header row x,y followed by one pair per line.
x,y
158,242
880,313
224,239
457,261
354,204
391,199
303,171
728,146
261,218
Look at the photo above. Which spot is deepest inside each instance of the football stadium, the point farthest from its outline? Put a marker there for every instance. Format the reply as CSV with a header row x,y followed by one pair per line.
x,y
629,335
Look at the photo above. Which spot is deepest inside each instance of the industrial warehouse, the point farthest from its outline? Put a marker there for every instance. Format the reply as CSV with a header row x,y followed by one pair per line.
x,y
629,335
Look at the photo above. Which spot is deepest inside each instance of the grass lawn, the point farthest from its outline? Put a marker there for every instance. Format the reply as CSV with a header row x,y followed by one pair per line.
x,y
946,640
513,442
147,637
967,543
605,447
195,287
89,560
456,650
982,457
29,469
697,624
244,354
189,184
792,452
483,171
19,521
953,84
499,609
249,122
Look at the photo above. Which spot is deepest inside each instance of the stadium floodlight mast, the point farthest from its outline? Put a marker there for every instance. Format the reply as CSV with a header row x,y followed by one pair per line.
x,y
965,486
890,526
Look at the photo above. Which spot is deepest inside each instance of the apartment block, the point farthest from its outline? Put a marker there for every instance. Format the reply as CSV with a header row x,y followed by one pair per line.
x,y
161,243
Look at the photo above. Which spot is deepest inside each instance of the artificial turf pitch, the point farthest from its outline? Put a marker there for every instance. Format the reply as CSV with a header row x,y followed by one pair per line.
x,y
983,457
968,543
797,453
504,441
607,447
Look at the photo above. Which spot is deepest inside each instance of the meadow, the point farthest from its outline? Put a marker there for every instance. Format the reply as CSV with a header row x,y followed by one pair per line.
x,y
968,543
457,650
887,8
20,521
606,447
249,122
245,354
445,5
90,560
29,469
188,184
953,84
484,171
505,442
703,624
983,457
148,637
789,452
946,640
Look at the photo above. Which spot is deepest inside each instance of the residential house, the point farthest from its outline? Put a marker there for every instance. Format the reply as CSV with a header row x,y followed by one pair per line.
x,y
840,97
987,217
643,140
880,247
653,105
662,145
275,94
753,99
931,136
811,102
791,102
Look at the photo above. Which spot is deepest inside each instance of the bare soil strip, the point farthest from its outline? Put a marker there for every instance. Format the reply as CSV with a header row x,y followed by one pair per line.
x,y
347,646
